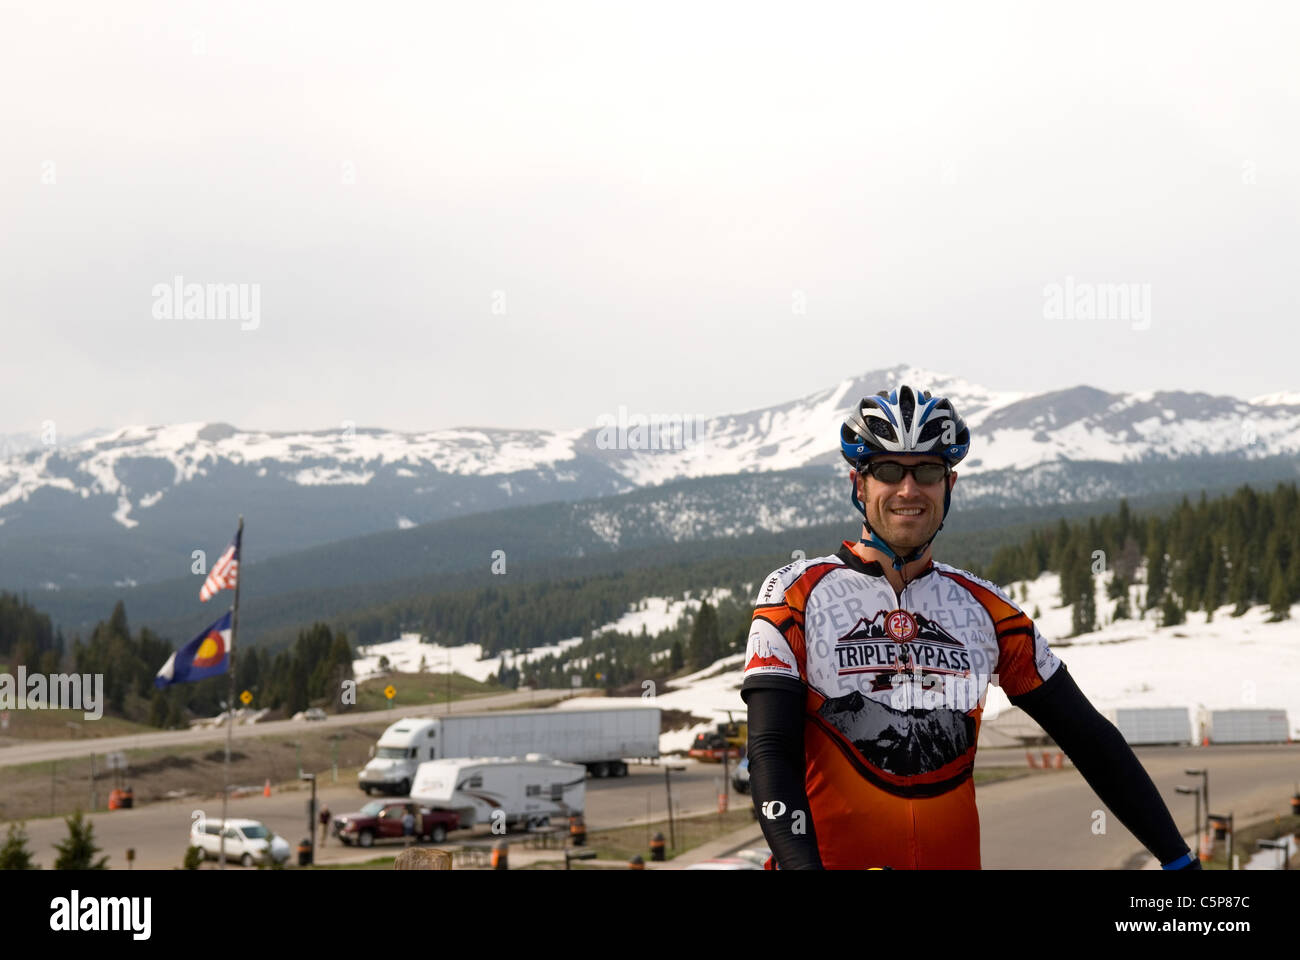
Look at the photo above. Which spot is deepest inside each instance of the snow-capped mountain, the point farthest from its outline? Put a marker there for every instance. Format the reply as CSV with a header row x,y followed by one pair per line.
x,y
172,489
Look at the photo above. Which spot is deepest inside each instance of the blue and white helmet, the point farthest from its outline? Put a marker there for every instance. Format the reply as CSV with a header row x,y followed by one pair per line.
x,y
905,420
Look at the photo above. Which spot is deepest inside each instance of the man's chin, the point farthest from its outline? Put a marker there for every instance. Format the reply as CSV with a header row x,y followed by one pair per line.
x,y
909,541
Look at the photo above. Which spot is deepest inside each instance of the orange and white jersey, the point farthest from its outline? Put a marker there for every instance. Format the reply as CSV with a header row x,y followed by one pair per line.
x,y
894,689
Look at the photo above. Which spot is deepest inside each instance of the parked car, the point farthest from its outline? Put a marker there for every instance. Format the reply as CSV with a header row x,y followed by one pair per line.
x,y
381,820
248,841
758,855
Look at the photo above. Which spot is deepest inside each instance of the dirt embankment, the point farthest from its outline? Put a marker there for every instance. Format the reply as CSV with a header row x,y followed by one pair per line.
x,y
60,787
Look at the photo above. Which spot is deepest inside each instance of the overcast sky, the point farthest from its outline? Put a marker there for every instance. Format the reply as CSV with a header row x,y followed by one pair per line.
x,y
528,214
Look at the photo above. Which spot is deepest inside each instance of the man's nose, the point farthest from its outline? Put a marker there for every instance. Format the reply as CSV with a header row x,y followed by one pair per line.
x,y
908,486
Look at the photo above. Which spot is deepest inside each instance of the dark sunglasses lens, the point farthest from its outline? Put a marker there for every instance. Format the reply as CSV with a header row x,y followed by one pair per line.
x,y
925,473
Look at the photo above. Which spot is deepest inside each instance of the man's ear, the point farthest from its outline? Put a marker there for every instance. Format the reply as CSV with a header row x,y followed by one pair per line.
x,y
952,480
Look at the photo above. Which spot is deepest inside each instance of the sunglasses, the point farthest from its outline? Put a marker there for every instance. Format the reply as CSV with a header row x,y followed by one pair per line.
x,y
890,472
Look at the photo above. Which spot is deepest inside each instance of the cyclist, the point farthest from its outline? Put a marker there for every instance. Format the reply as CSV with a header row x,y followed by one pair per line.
x,y
866,673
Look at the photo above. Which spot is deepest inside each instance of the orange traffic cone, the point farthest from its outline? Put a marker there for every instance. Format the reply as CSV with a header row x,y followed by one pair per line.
x,y
1030,757
266,790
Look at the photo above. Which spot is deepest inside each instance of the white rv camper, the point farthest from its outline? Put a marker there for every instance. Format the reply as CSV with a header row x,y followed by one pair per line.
x,y
516,791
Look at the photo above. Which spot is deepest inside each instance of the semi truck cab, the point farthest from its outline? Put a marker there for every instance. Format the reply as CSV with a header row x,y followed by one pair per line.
x,y
400,751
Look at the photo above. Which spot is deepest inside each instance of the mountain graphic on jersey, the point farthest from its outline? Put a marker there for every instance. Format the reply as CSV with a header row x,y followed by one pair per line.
x,y
899,641
772,661
902,742
882,627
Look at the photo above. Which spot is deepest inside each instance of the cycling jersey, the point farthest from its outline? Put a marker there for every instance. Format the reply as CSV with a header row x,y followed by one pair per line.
x,y
893,687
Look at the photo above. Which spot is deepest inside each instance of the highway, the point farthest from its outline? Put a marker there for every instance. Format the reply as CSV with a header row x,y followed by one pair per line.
x,y
1041,821
46,750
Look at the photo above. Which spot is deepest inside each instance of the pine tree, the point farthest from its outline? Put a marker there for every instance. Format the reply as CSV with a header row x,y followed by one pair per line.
x,y
78,851
1213,586
1085,606
1122,611
1171,611
1278,601
157,709
676,659
1157,572
1117,587
705,645
1239,587
1124,522
14,855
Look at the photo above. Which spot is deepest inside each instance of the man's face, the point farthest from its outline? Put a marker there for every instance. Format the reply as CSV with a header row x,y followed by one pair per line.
x,y
904,514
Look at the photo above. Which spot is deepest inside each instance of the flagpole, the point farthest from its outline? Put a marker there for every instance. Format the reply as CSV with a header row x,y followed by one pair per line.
x,y
230,689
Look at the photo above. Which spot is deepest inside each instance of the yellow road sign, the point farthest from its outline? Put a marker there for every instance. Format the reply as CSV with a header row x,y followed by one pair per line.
x,y
390,691
245,698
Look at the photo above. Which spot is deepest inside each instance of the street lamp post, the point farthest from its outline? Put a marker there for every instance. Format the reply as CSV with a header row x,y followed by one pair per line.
x,y
1196,792
311,816
1232,832
668,787
1205,791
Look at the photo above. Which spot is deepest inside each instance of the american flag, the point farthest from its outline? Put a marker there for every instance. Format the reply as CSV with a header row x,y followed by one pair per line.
x,y
225,572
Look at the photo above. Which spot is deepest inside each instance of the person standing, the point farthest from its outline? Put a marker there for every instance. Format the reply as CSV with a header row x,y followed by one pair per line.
x,y
866,672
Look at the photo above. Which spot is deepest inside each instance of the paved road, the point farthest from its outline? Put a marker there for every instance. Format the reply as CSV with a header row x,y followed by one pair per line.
x,y
1043,821
61,749
159,832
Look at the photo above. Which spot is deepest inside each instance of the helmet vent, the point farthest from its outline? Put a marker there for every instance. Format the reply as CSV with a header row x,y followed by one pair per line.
x,y
907,405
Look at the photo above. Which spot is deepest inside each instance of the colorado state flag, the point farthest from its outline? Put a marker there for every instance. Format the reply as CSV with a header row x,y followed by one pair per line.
x,y
207,655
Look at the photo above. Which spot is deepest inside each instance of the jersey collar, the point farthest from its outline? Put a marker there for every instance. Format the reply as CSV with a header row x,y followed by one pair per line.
x,y
872,568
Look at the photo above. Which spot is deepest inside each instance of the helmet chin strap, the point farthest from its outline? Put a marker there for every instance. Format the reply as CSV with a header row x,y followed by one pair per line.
x,y
876,543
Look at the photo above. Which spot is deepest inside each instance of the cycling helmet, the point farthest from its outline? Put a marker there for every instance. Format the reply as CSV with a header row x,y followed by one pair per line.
x,y
906,421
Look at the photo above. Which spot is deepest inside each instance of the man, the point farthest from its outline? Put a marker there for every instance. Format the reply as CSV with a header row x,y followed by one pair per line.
x,y
324,819
866,672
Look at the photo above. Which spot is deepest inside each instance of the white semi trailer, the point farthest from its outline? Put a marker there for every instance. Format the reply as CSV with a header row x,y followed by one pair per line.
x,y
602,740
1249,726
1151,725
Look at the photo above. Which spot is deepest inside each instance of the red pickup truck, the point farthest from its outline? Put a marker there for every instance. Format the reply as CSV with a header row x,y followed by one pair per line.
x,y
382,820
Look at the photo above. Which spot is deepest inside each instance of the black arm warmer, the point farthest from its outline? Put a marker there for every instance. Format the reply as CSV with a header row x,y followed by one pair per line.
x,y
1106,761
776,775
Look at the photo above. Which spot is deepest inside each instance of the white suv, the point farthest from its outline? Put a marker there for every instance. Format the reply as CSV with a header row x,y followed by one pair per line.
x,y
248,841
